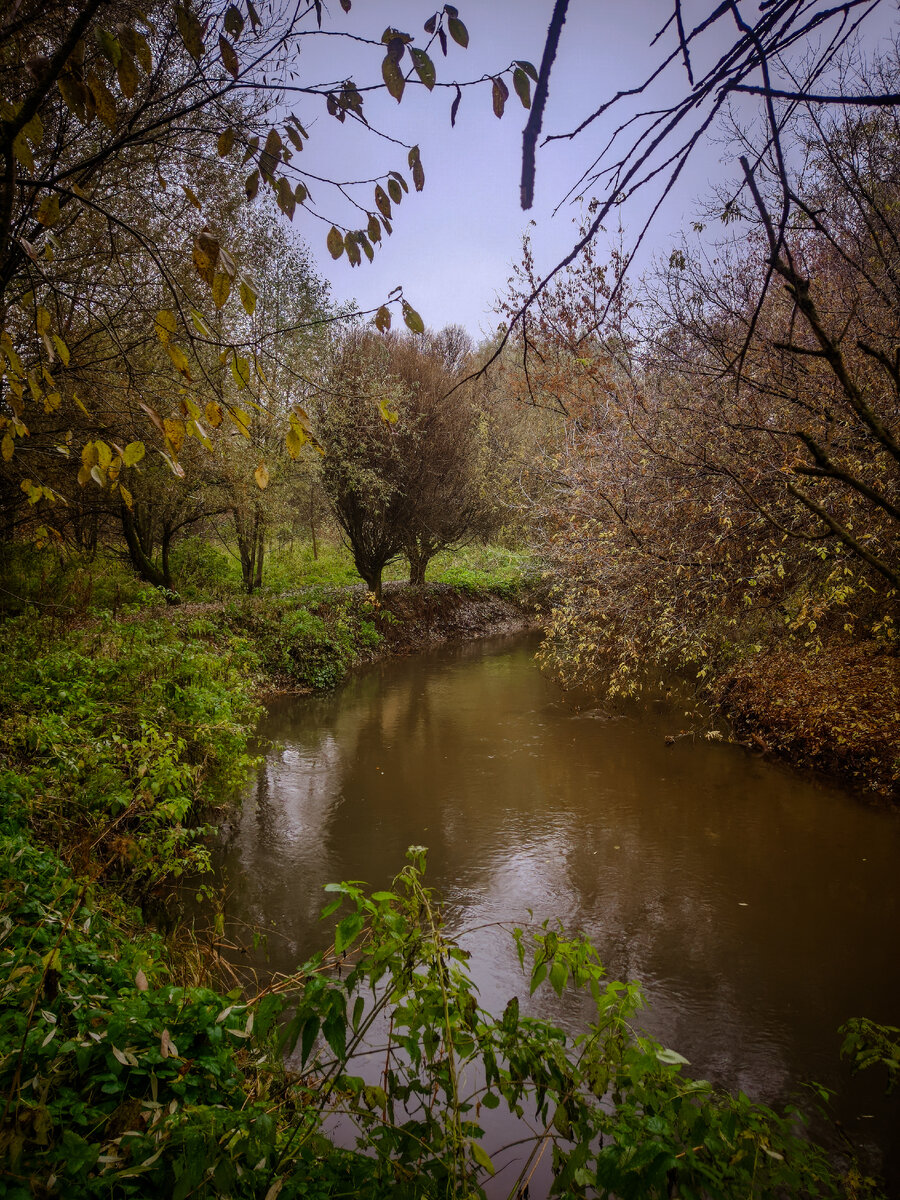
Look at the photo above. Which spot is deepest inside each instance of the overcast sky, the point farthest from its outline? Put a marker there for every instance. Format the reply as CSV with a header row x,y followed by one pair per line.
x,y
454,244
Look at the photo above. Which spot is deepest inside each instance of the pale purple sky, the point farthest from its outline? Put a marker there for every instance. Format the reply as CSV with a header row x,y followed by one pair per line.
x,y
454,244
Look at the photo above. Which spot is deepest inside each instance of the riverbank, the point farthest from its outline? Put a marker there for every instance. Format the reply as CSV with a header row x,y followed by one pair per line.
x,y
834,708
126,1063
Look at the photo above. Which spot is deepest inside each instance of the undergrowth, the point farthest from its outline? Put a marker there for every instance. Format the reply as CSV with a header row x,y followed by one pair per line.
x,y
128,1067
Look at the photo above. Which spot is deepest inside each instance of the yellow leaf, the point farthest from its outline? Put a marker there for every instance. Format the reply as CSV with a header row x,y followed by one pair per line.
x,y
42,319
213,414
48,213
221,289
261,475
166,324
179,359
240,369
294,440
248,298
388,413
240,419
61,349
104,454
126,495
133,453
195,428
175,431
7,447
80,405
52,401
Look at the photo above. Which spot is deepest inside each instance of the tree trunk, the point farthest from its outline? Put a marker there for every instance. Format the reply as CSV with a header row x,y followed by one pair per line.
x,y
372,579
420,554
312,526
251,549
145,567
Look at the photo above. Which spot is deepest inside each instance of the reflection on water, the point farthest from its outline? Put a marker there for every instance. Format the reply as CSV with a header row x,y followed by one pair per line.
x,y
758,908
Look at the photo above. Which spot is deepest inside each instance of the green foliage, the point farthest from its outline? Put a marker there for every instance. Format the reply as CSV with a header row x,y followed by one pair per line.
x,y
119,735
115,1081
120,1074
868,1044
484,567
616,1110
204,570
66,584
309,641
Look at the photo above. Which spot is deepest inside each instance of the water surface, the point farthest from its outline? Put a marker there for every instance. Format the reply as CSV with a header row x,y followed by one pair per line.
x,y
758,907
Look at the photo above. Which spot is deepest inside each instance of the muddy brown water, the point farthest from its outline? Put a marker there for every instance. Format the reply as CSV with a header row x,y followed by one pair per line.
x,y
759,908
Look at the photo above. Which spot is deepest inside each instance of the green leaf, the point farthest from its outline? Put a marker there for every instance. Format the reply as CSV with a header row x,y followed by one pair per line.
x,y
191,31
482,1157
458,31
418,172
382,202
358,1009
348,931
335,242
673,1057
528,68
352,248
412,319
383,319
109,45
284,195
522,86
234,22
334,1030
395,191
229,57
510,1019
393,77
424,67
308,1036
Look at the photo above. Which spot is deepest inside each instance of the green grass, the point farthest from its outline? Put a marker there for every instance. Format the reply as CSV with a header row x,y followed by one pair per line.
x,y
65,584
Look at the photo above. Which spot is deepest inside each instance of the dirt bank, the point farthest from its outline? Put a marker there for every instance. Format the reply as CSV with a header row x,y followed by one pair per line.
x,y
439,612
835,708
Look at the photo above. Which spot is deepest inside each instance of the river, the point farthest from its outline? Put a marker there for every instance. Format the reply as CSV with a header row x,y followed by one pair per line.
x,y
757,906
